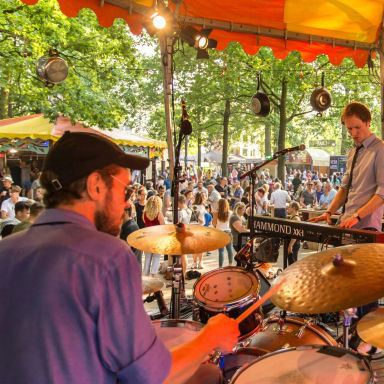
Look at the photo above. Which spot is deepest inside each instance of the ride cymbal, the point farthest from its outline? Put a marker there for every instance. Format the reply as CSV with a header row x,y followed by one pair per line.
x,y
170,239
316,285
371,328
151,285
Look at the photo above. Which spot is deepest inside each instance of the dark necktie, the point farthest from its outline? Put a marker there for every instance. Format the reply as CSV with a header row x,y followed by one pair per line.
x,y
351,173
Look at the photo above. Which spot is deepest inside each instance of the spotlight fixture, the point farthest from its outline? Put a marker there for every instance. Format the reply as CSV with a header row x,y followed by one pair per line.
x,y
202,42
158,20
52,68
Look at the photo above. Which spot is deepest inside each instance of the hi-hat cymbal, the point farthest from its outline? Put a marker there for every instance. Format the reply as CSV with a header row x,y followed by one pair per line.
x,y
151,285
316,285
170,239
371,328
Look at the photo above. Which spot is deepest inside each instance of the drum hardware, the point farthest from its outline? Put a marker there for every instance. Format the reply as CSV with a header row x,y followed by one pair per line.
x,y
300,332
177,287
159,297
348,316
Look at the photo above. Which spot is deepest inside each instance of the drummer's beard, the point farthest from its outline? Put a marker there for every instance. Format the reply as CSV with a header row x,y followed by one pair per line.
x,y
104,220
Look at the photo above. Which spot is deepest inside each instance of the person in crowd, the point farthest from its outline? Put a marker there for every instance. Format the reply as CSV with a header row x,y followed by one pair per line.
x,y
199,203
261,201
213,198
296,182
222,223
223,188
35,211
5,189
35,170
150,189
294,244
279,199
91,334
237,224
261,181
237,194
361,194
328,195
22,212
208,216
8,206
129,226
25,167
184,217
189,197
152,216
308,196
200,188
34,186
319,191
140,205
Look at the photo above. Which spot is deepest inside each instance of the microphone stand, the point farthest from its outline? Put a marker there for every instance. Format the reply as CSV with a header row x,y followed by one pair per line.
x,y
252,175
178,278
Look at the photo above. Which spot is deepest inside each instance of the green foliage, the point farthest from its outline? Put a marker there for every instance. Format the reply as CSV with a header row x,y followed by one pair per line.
x,y
98,90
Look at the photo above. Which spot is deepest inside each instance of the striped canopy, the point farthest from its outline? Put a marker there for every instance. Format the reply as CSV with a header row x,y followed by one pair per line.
x,y
337,28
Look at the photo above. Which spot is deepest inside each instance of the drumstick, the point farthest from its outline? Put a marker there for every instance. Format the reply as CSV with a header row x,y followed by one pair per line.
x,y
259,302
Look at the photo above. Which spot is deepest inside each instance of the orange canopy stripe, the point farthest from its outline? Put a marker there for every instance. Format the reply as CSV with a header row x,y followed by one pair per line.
x,y
348,20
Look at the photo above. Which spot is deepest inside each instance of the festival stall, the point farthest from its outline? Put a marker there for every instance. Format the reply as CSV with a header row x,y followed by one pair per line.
x,y
32,136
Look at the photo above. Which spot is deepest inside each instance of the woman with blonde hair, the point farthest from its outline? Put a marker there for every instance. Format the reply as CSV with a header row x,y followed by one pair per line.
x,y
152,215
221,222
236,224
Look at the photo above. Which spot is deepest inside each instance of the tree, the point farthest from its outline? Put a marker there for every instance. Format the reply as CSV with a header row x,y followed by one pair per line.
x,y
102,65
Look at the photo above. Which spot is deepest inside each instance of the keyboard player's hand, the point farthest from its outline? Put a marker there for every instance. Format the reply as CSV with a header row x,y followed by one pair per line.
x,y
324,217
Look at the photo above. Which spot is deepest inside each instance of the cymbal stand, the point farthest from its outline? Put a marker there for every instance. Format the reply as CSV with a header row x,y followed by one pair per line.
x,y
177,286
349,314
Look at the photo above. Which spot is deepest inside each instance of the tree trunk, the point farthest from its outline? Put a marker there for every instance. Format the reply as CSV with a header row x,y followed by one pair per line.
x,y
267,141
199,149
344,141
4,103
282,130
224,164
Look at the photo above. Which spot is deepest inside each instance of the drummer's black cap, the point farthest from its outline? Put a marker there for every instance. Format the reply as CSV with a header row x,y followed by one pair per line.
x,y
78,154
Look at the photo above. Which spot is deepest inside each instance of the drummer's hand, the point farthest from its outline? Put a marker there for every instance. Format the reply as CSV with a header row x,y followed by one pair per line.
x,y
223,331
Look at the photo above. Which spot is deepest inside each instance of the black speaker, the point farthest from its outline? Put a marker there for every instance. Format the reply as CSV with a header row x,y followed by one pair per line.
x,y
264,287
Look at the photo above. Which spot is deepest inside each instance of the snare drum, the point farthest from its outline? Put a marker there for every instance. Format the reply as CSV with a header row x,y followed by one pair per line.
x,y
174,332
295,331
228,290
310,364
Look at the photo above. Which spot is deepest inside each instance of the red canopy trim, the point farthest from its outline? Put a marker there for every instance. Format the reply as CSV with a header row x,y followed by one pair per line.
x,y
106,14
281,48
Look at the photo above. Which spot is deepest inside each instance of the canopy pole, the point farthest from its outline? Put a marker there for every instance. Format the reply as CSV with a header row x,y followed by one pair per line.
x,y
166,65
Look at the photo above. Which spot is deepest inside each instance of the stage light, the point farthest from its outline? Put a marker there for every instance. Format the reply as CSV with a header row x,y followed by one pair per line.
x,y
158,21
202,41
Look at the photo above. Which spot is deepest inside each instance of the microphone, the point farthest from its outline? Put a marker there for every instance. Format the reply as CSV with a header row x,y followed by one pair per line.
x,y
300,147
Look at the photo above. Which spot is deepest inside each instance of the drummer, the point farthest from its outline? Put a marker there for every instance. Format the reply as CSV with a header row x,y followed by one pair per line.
x,y
71,290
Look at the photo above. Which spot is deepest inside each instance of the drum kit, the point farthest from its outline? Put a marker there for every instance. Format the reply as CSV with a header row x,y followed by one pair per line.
x,y
279,348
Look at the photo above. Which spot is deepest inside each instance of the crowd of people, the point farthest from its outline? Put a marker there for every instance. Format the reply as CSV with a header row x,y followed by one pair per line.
x,y
223,203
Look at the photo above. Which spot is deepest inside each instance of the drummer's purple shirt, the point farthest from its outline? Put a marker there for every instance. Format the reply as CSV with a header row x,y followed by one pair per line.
x,y
71,308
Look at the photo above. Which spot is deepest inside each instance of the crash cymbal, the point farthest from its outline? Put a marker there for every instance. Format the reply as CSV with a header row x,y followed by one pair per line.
x,y
170,239
151,285
371,328
315,285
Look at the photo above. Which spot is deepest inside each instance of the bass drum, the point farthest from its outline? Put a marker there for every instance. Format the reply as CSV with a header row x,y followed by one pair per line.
x,y
295,331
228,290
310,364
174,332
